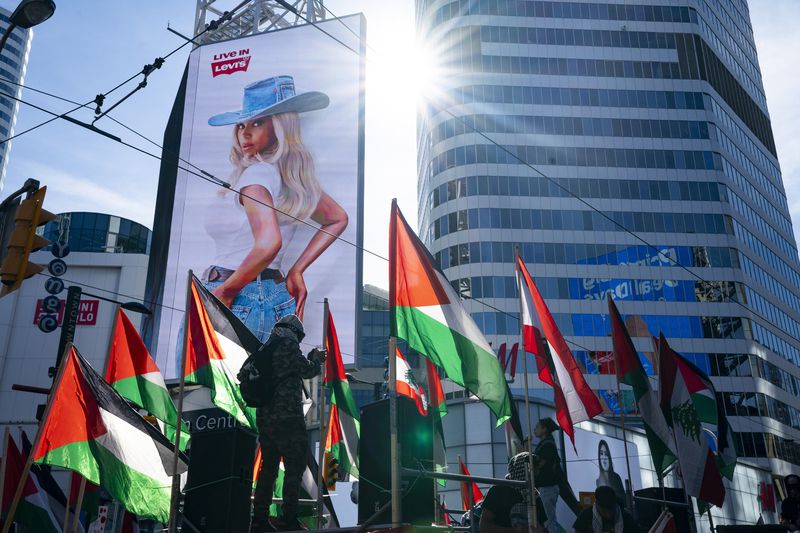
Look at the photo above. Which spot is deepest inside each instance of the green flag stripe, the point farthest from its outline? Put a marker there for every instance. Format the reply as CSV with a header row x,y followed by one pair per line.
x,y
224,392
342,396
138,493
34,517
149,396
464,362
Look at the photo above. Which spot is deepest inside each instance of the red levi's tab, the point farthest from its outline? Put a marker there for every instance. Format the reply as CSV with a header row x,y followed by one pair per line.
x,y
229,66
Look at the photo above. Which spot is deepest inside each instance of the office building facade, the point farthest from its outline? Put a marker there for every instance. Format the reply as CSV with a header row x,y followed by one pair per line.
x,y
13,64
623,148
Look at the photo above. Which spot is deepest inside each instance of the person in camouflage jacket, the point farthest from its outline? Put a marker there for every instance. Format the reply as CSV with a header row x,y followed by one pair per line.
x,y
281,423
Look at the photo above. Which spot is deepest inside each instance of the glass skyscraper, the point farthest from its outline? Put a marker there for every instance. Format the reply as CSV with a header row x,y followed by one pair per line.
x,y
624,148
13,63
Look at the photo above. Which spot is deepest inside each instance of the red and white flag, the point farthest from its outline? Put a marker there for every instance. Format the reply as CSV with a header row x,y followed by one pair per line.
x,y
407,385
566,378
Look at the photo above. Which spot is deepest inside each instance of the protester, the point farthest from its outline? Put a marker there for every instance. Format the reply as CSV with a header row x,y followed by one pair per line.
x,y
281,423
548,475
606,515
505,509
790,506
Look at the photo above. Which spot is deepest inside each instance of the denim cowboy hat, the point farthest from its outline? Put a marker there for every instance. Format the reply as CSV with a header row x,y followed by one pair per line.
x,y
271,97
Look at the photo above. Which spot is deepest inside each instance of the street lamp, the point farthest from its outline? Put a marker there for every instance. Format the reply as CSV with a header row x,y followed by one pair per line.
x,y
29,13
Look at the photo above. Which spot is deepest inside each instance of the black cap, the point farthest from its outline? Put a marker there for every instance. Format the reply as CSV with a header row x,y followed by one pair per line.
x,y
549,424
792,479
605,497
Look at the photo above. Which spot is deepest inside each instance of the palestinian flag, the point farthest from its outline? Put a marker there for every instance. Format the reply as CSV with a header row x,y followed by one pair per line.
x,y
437,408
575,401
343,424
92,430
33,511
630,372
407,384
45,481
133,373
216,347
427,313
467,486
686,402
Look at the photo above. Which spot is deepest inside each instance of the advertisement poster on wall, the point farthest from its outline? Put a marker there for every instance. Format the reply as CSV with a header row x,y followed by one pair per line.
x,y
268,198
598,460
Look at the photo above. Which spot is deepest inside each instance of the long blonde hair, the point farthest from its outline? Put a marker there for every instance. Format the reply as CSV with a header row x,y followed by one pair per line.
x,y
300,190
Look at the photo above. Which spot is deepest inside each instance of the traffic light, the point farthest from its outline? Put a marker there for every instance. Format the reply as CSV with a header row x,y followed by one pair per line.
x,y
330,474
23,241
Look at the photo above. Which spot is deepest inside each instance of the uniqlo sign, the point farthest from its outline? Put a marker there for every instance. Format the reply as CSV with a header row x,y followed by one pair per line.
x,y
87,312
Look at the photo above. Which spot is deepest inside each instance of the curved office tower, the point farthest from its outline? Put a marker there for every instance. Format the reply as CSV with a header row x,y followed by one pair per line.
x,y
626,148
13,64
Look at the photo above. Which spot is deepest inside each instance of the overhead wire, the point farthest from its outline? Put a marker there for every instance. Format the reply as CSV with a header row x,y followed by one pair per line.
x,y
218,182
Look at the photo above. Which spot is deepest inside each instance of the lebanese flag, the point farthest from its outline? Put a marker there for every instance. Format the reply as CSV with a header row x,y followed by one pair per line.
x,y
686,401
407,384
92,430
344,425
216,347
427,313
575,402
133,373
33,511
630,371
467,486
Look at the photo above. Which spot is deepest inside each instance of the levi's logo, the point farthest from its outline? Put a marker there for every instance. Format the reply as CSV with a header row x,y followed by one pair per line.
x,y
230,62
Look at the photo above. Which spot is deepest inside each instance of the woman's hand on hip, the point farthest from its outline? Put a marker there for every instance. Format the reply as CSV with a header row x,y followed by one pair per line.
x,y
296,286
223,295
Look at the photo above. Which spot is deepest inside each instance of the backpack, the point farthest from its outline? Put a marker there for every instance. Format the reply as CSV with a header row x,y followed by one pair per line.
x,y
256,386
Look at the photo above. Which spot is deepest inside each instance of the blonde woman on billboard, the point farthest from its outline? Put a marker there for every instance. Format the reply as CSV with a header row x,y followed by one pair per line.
x,y
278,187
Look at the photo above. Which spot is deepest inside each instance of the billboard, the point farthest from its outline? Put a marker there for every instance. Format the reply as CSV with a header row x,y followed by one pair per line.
x,y
268,194
598,460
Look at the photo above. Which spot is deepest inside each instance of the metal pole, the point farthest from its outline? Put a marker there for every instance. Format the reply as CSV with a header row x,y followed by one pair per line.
x,y
473,524
394,451
322,436
70,322
176,480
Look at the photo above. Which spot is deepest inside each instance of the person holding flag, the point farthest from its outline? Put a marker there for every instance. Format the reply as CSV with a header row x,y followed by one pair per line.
x,y
281,422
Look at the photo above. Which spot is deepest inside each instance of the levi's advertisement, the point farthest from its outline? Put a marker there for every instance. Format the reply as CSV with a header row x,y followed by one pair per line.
x,y
273,124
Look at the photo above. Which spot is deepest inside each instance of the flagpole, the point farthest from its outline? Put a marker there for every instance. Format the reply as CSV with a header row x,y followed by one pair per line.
x,y
533,519
29,461
394,452
628,485
4,461
176,481
689,506
66,521
78,504
436,510
322,436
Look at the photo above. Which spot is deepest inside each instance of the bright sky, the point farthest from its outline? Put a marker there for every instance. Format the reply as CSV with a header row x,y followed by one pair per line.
x,y
82,51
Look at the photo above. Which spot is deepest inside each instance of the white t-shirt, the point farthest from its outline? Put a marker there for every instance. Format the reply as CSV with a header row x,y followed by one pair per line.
x,y
226,221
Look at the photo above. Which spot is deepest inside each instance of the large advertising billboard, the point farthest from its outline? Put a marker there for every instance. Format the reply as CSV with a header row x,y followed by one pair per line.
x,y
278,117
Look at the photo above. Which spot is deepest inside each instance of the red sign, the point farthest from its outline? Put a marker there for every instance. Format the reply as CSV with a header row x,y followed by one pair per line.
x,y
230,62
87,312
